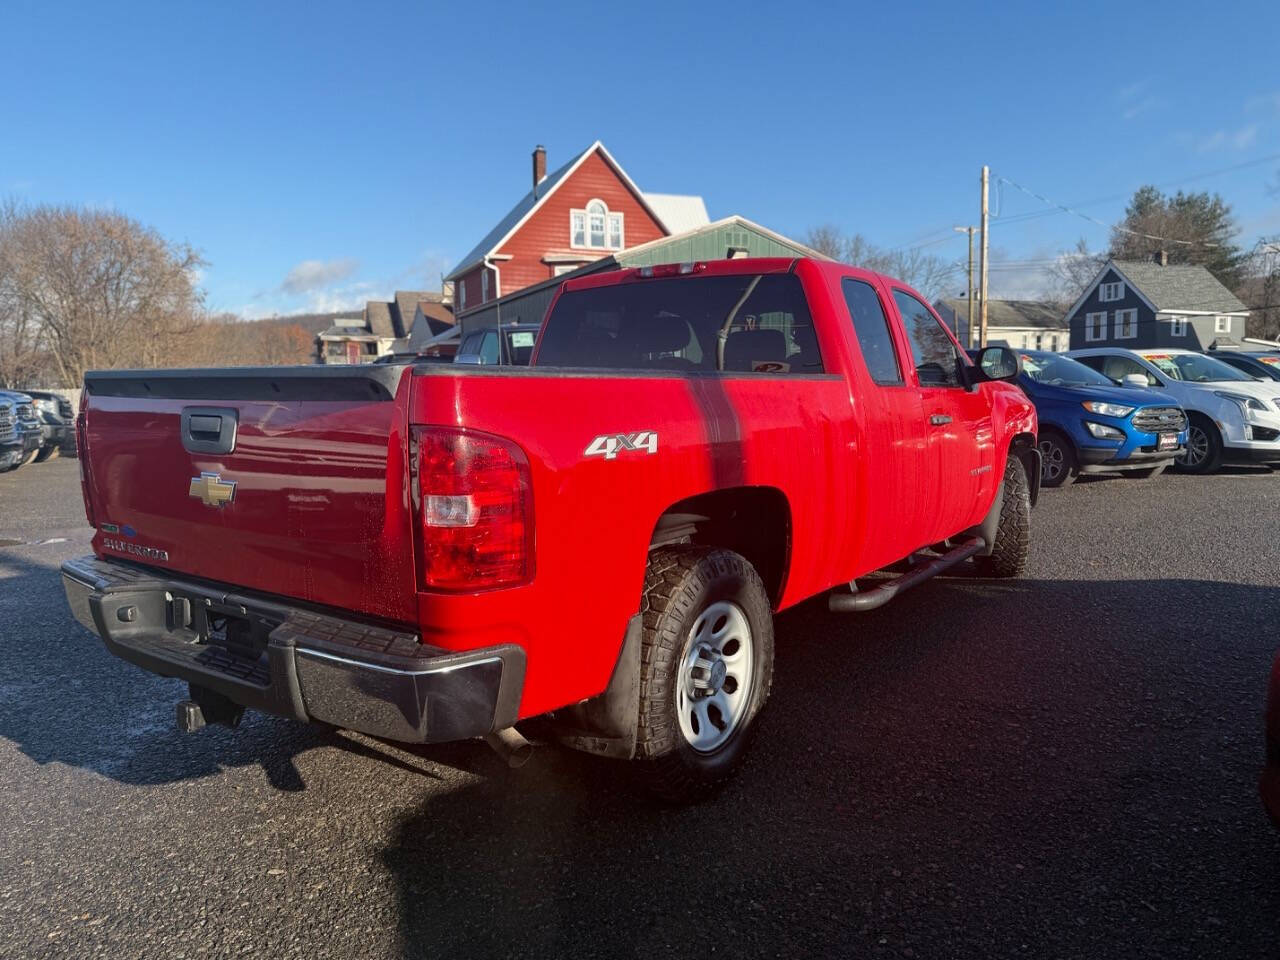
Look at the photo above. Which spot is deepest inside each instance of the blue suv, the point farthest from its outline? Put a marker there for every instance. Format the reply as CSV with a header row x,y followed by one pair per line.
x,y
1089,425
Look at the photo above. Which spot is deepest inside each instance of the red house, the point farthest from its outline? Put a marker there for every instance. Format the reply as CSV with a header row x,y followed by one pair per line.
x,y
587,209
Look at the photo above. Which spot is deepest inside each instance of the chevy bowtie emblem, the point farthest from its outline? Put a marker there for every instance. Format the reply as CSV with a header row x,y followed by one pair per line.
x,y
211,490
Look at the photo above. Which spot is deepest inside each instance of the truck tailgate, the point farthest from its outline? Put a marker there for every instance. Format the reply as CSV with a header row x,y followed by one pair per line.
x,y
307,499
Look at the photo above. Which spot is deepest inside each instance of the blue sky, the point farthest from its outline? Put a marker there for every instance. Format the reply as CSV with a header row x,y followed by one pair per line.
x,y
318,154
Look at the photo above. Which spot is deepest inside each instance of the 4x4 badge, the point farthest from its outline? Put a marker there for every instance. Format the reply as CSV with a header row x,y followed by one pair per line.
x,y
211,490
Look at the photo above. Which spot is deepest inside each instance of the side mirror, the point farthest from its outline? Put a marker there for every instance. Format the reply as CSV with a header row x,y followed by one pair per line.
x,y
998,363
1134,380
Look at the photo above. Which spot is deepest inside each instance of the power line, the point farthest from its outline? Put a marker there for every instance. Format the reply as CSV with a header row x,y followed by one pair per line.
x,y
1084,216
1071,208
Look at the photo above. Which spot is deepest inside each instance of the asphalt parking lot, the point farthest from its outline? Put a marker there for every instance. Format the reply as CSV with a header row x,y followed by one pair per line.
x,y
1060,766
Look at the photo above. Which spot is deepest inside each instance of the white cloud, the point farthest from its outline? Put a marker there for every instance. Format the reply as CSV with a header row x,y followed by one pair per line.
x,y
1141,107
314,274
1134,100
1245,137
1241,139
318,286
1264,101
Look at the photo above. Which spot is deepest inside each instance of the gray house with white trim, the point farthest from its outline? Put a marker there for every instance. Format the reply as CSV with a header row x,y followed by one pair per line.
x,y
1137,304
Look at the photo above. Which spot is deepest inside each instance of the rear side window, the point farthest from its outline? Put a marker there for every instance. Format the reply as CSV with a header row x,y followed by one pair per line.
x,y
937,359
489,347
872,329
749,323
520,346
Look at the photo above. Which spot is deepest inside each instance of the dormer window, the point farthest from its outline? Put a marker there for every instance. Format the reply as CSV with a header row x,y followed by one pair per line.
x,y
595,228
1110,292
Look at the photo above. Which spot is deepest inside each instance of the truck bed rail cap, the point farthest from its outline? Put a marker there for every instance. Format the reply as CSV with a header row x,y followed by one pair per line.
x,y
337,382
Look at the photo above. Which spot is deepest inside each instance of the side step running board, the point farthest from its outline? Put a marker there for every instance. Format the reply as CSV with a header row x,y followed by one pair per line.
x,y
879,596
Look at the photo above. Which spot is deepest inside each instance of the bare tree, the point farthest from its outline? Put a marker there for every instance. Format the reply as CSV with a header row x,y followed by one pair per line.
x,y
1260,289
927,273
1071,272
95,289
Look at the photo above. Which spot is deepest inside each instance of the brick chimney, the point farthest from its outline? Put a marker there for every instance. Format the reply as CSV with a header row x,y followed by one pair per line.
x,y
1161,257
539,166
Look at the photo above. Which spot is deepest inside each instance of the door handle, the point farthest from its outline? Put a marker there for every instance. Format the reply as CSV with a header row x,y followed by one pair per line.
x,y
939,419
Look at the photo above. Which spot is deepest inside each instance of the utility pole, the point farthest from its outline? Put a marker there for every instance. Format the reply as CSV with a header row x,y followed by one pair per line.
x,y
982,308
968,337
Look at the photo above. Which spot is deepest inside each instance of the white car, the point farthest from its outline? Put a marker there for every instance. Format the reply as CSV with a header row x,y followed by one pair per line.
x,y
1234,418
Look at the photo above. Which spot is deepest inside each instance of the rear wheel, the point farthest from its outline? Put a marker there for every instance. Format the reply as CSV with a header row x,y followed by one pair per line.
x,y
1058,465
48,453
1203,453
1013,534
1146,473
706,669
31,455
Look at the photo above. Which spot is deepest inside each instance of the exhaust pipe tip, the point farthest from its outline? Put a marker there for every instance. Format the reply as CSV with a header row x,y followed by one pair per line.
x,y
511,746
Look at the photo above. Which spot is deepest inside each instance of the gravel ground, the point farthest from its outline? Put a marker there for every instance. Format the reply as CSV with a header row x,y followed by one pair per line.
x,y
1059,766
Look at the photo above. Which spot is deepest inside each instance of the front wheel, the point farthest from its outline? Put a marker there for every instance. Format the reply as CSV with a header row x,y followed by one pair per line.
x,y
1058,466
1203,453
706,669
48,453
1013,533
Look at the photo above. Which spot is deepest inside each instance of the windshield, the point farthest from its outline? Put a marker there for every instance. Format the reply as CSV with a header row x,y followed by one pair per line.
x,y
1195,367
1058,371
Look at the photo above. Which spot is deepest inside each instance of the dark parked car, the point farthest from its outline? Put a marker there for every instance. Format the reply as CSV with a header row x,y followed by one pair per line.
x,y
482,346
57,424
22,428
1262,366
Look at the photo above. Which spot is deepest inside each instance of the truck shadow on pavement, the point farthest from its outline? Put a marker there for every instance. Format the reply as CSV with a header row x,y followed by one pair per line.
x,y
1075,758
65,699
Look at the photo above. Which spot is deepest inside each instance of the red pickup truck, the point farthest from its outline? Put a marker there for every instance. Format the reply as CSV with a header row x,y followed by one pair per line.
x,y
433,552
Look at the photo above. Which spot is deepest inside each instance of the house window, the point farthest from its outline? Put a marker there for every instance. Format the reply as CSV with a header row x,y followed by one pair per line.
x,y
596,228
484,285
1178,326
1053,343
1110,292
1095,326
1039,341
562,268
1221,324
1126,324
462,294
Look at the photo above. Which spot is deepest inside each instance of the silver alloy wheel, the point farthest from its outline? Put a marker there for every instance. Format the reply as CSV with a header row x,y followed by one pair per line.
x,y
1197,449
1053,461
716,670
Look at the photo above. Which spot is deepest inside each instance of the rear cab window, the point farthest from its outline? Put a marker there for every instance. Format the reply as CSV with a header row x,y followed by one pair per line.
x,y
739,323
871,327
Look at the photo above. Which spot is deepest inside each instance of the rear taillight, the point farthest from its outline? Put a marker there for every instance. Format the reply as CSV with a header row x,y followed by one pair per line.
x,y
475,510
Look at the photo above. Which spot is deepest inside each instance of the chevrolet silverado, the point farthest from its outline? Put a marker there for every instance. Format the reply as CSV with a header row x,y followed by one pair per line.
x,y
432,552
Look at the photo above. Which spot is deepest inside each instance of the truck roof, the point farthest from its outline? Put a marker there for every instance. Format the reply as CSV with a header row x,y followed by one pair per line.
x,y
701,267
